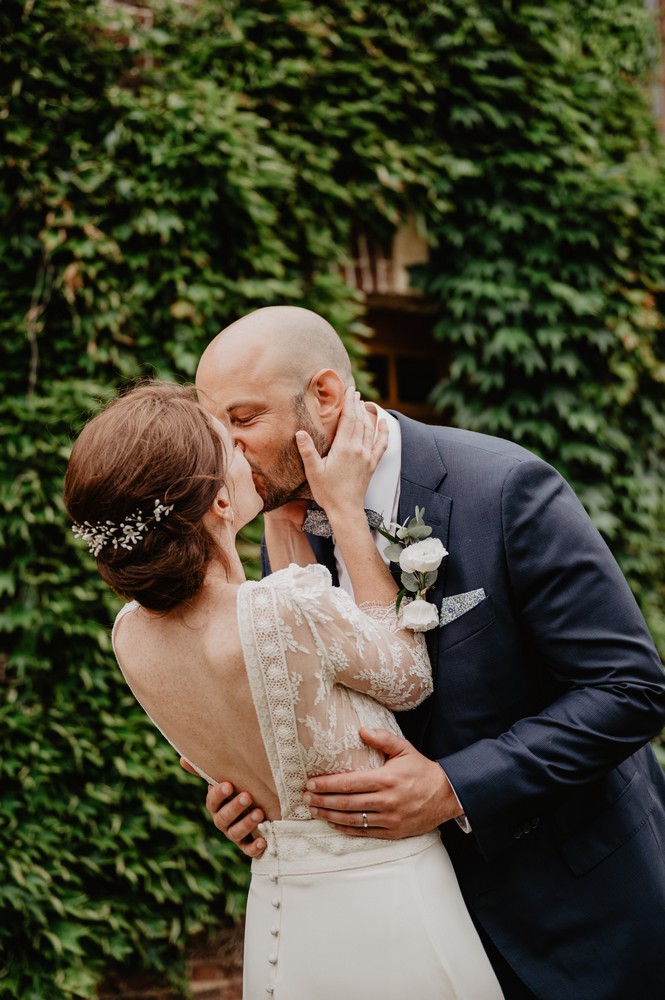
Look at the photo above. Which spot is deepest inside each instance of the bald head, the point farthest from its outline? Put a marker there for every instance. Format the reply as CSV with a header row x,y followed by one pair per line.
x,y
286,343
276,371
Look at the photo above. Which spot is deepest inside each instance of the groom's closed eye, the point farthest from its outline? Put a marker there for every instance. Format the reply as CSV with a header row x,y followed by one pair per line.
x,y
243,420
245,416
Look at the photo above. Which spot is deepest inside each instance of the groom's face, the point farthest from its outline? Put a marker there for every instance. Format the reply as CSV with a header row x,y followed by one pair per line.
x,y
265,408
265,430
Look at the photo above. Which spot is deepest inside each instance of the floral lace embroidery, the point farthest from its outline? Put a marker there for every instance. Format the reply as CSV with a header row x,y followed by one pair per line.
x,y
319,668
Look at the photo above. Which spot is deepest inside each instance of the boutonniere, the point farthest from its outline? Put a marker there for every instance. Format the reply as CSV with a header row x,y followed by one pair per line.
x,y
419,558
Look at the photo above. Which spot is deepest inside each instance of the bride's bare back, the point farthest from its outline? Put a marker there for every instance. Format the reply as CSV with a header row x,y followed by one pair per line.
x,y
267,683
187,670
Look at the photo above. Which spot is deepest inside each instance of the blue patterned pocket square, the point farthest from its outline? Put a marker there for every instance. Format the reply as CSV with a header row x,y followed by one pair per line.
x,y
458,604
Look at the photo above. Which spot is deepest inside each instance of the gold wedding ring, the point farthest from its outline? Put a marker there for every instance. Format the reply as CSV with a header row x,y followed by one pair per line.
x,y
365,823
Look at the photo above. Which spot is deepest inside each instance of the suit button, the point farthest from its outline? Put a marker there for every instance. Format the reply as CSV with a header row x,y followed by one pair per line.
x,y
517,832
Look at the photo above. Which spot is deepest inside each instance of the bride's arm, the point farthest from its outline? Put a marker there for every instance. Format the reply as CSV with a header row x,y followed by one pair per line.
x,y
285,540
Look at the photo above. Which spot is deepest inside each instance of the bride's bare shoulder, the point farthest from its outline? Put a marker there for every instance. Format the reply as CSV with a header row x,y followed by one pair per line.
x,y
204,630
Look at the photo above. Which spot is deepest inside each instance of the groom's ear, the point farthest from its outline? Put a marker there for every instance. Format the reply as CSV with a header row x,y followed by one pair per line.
x,y
326,391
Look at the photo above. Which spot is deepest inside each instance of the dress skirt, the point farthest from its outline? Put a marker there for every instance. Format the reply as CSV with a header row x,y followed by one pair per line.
x,y
331,916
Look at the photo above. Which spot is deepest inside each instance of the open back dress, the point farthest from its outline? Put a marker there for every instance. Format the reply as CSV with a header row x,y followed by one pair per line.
x,y
330,915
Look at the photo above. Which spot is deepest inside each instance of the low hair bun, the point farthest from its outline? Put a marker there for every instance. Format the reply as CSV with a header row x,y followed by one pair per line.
x,y
142,475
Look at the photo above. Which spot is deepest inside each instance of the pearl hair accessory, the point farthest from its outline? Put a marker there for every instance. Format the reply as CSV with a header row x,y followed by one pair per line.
x,y
124,535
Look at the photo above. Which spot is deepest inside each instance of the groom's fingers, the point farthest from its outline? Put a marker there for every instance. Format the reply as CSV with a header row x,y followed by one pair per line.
x,y
355,822
344,787
234,816
230,814
388,743
346,783
408,795
189,767
348,810
334,796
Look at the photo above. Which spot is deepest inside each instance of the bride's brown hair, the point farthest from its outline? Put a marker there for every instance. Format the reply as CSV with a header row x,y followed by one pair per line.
x,y
154,442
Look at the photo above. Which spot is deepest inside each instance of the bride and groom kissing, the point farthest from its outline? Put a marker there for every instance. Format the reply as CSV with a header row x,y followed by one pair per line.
x,y
528,761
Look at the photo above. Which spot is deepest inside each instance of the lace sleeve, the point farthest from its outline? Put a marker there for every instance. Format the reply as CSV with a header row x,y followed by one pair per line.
x,y
383,614
362,648
391,663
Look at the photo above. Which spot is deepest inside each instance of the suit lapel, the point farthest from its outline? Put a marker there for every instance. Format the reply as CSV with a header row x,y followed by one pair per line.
x,y
422,473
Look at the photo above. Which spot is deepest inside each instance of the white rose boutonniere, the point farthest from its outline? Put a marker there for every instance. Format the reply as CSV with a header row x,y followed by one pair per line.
x,y
419,558
422,557
420,616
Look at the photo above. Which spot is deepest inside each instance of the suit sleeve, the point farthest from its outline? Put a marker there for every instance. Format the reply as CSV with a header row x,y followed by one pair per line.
x,y
582,622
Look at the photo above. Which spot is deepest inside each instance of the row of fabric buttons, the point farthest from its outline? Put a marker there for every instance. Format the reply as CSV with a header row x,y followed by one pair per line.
x,y
527,827
274,929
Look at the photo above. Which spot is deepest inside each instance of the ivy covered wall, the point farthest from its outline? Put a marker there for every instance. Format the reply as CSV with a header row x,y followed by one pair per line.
x,y
163,175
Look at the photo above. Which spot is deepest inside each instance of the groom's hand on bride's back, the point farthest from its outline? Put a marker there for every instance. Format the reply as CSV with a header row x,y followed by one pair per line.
x,y
407,796
234,815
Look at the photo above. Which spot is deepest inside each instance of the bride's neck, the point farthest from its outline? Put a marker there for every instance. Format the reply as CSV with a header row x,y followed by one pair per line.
x,y
227,568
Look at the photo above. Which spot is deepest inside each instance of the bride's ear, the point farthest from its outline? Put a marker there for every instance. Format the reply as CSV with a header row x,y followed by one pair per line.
x,y
221,508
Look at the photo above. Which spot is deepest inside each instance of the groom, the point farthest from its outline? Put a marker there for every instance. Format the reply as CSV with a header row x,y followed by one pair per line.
x,y
547,685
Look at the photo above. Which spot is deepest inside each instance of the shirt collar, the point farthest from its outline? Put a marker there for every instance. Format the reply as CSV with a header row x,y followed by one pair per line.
x,y
383,490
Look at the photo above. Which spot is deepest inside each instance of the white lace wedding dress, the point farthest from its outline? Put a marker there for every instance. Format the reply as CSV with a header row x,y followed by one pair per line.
x,y
331,916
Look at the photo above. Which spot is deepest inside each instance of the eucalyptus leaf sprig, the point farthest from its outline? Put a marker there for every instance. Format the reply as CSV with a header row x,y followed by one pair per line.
x,y
419,558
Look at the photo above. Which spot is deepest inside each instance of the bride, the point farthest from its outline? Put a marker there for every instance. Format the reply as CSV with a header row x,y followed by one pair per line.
x,y
268,683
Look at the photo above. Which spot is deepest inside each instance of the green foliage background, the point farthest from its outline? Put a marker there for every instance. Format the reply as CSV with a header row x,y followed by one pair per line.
x,y
161,177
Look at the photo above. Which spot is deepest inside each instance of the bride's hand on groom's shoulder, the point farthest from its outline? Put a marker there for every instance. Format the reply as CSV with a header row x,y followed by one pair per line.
x,y
341,477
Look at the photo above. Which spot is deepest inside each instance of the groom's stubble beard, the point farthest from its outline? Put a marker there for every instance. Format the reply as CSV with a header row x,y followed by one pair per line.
x,y
285,481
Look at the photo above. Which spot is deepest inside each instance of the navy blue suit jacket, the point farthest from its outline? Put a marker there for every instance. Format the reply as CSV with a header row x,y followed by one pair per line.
x,y
545,697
